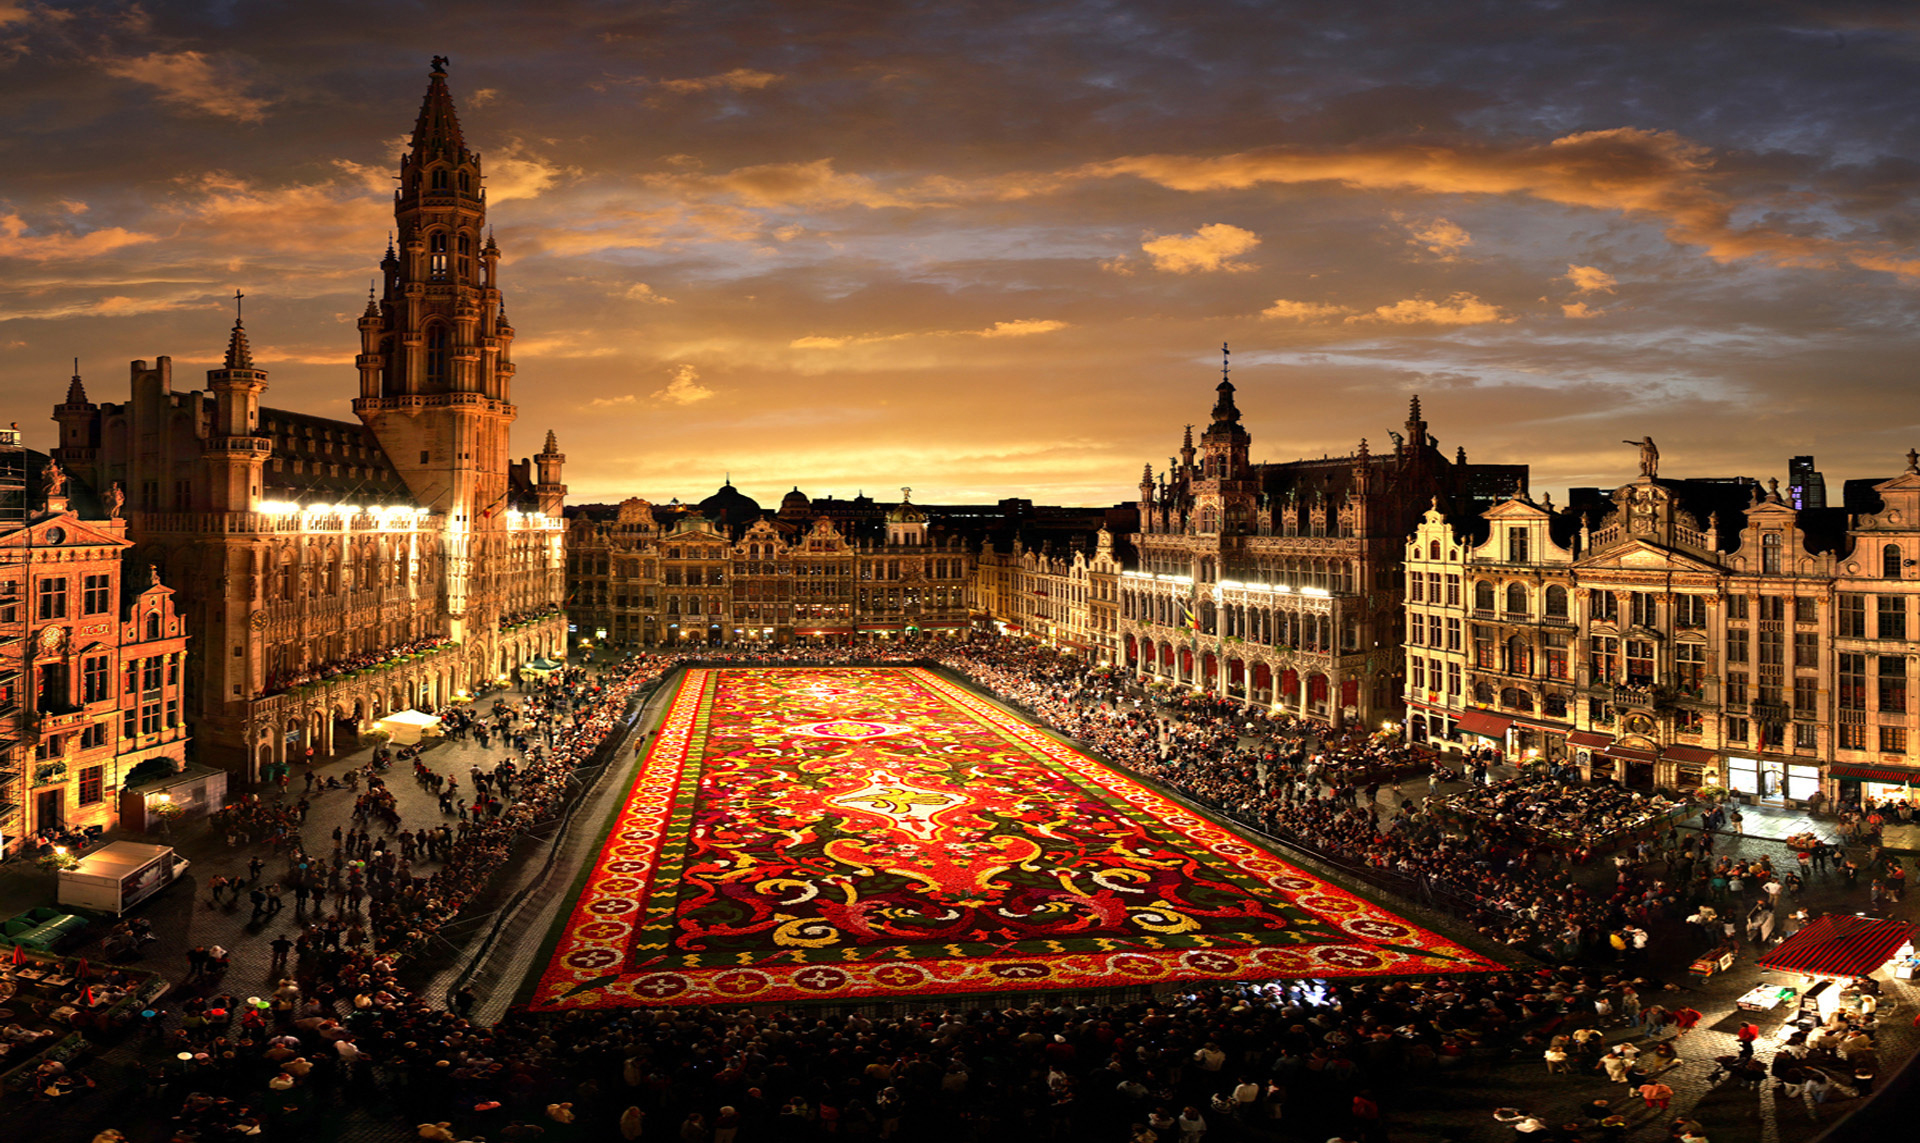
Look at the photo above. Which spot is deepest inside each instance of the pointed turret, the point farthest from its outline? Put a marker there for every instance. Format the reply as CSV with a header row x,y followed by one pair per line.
x,y
76,392
436,134
551,493
236,453
239,354
1225,412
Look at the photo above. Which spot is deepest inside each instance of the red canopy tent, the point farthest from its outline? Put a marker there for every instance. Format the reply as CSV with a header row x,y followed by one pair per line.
x,y
1840,945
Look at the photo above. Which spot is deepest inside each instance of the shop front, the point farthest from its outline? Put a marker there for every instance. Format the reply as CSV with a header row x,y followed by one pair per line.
x,y
1773,781
1881,783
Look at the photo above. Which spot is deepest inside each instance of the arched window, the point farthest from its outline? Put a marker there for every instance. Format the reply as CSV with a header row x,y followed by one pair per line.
x,y
466,183
1483,596
439,178
1516,599
1770,554
437,353
1890,561
153,626
437,255
1433,549
1556,602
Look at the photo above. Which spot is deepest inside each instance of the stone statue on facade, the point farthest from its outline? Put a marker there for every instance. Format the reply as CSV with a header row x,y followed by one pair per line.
x,y
116,499
56,477
1649,457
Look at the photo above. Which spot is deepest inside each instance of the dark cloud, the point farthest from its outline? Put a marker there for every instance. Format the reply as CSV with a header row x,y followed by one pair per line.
x,y
990,248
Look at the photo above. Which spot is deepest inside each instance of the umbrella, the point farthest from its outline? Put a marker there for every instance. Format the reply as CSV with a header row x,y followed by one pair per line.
x,y
81,970
19,954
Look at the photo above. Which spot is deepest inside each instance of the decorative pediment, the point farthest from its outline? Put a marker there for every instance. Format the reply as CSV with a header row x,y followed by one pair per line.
x,y
64,531
1639,555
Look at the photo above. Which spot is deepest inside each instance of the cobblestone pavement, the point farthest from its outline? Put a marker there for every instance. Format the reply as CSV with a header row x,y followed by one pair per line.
x,y
1453,1105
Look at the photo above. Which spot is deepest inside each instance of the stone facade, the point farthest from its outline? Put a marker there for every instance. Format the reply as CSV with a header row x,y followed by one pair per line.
x,y
1677,633
722,571
91,670
1279,584
336,571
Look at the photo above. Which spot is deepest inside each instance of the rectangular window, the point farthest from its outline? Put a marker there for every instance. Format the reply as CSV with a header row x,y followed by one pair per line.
x,y
130,723
94,598
1736,607
1688,721
1416,588
1417,673
1850,736
93,679
1806,648
52,596
1893,740
1453,634
1736,645
1690,612
150,674
1806,698
1850,616
92,784
1605,663
1736,730
1690,668
1806,609
1433,587
150,718
1892,677
1453,679
1556,652
173,713
1639,662
1737,688
1853,681
1891,616
1773,647
1606,606
1453,591
1517,545
1645,609
1483,648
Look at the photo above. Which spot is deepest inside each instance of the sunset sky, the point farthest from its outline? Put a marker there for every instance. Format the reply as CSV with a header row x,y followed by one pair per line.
x,y
992,249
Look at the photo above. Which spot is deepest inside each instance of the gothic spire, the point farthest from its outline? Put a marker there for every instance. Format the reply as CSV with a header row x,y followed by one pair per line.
x,y
553,445
77,393
437,132
239,356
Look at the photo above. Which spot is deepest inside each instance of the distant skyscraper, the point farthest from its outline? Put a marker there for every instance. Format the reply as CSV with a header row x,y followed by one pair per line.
x,y
1805,486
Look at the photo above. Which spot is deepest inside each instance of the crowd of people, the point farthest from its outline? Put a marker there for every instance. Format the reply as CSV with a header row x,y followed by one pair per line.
x,y
1591,816
343,1028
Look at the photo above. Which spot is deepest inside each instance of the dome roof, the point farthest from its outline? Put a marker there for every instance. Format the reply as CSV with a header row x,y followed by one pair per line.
x,y
795,503
905,512
730,506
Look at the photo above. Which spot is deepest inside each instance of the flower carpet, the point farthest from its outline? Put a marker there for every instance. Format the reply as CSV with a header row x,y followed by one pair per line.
x,y
856,833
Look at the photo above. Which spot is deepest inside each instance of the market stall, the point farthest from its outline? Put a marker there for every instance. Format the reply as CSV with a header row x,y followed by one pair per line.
x,y
1838,948
407,727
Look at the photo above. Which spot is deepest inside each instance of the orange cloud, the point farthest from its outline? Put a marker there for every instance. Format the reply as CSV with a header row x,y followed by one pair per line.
x,y
61,245
739,79
1590,279
1439,237
513,172
1626,169
812,184
1580,311
1302,311
1207,249
1459,309
192,80
684,388
1023,327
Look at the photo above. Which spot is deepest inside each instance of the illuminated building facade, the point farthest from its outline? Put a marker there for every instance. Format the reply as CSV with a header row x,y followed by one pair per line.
x,y
722,571
91,667
1280,584
1678,633
335,571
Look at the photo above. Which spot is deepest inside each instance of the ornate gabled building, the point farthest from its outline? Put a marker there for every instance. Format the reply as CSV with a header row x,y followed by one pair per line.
x,y
724,571
1279,584
91,667
1677,633
334,571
